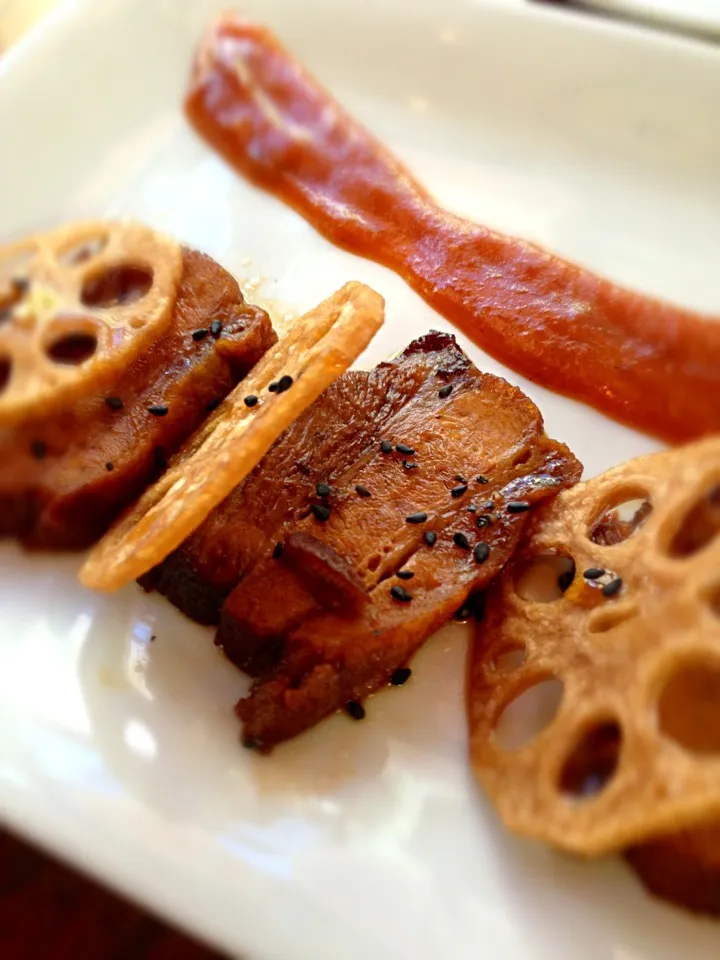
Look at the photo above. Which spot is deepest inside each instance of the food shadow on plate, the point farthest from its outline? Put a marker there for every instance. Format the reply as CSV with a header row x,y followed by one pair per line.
x,y
161,712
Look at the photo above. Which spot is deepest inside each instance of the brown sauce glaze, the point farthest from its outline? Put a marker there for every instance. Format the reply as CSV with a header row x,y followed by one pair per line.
x,y
648,364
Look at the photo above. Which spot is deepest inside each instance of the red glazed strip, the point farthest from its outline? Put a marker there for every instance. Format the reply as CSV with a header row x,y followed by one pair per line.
x,y
646,363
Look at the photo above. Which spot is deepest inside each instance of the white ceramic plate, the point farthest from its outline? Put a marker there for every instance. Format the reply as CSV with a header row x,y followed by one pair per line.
x,y
121,754
702,16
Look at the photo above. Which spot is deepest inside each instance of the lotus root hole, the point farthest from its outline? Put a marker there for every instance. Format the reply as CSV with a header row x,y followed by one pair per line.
x,y
689,706
607,619
82,252
700,525
508,659
620,518
544,578
5,373
73,348
530,711
593,761
118,285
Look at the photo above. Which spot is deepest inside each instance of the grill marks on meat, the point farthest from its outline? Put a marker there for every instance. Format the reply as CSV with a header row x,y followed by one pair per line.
x,y
341,428
68,498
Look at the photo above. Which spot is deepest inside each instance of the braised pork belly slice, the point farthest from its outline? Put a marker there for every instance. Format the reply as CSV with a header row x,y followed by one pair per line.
x,y
342,428
332,659
443,497
68,473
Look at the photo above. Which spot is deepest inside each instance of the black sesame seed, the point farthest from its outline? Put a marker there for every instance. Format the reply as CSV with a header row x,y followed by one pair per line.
x,y
517,506
213,405
565,579
320,512
362,491
158,410
386,447
472,508
115,403
109,467
460,479
612,588
355,709
409,465
404,448
273,387
405,574
483,521
593,573
400,676
459,490
400,594
416,518
200,334
251,743
460,540
278,550
430,538
21,285
481,552
153,638
445,391
250,400
159,457
216,328
482,479
489,505
284,383
323,489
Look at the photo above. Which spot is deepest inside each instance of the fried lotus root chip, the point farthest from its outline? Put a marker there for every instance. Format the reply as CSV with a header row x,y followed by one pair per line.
x,y
76,304
626,629
317,349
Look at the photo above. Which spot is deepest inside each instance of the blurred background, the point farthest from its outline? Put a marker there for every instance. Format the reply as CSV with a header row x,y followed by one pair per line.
x,y
701,17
